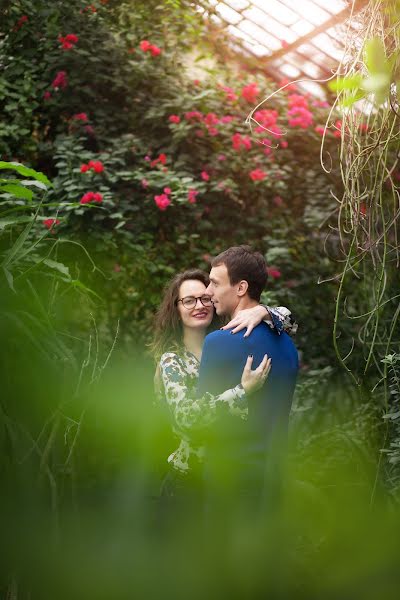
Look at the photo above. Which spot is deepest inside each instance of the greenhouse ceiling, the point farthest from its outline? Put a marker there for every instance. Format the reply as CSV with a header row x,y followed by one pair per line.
x,y
292,39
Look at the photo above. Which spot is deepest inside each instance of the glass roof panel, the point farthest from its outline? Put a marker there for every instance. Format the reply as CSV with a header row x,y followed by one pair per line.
x,y
266,27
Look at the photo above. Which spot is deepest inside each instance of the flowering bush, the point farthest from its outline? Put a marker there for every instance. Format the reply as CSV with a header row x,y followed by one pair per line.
x,y
157,170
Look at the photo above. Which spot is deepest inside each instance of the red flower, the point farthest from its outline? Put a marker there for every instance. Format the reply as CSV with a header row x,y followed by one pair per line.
x,y
319,129
250,92
284,144
60,80
80,117
47,95
91,197
155,50
68,42
20,22
174,119
96,165
257,175
167,191
50,223
205,176
162,201
145,45
162,158
84,168
274,272
192,196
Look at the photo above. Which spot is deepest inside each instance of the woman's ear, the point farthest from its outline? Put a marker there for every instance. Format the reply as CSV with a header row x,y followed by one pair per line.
x,y
243,286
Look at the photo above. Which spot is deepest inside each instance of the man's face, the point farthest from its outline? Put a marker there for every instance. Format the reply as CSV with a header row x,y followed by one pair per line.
x,y
223,294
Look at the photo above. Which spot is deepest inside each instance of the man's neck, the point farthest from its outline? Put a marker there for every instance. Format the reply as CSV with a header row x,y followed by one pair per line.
x,y
244,303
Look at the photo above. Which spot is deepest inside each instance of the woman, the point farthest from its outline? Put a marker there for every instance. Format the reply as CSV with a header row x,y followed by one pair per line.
x,y
183,319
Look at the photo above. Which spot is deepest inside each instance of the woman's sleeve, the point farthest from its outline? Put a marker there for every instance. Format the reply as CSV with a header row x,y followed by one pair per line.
x,y
190,411
281,319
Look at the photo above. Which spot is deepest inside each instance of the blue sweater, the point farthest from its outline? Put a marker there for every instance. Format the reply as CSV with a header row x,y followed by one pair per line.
x,y
223,359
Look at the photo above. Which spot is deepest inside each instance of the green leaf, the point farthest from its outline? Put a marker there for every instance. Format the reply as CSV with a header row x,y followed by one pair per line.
x,y
26,171
10,278
17,190
375,57
346,83
13,221
57,266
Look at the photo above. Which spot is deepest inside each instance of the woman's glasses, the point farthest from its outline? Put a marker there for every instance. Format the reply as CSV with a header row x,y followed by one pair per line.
x,y
191,301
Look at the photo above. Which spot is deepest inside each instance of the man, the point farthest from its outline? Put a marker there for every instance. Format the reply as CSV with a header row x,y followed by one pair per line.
x,y
246,449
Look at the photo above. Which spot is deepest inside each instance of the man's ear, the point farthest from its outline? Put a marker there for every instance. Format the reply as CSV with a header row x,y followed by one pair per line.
x,y
242,288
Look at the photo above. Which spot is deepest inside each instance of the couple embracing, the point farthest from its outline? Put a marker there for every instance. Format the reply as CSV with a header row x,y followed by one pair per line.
x,y
229,393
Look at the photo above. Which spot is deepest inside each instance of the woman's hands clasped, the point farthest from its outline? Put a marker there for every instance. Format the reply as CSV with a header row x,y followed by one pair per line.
x,y
253,380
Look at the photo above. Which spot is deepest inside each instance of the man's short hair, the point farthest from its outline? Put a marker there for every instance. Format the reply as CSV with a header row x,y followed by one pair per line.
x,y
242,262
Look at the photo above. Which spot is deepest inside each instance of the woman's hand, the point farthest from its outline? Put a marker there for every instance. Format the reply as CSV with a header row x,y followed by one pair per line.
x,y
254,380
249,318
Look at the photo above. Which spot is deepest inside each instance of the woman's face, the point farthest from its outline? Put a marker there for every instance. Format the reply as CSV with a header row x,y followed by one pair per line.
x,y
199,316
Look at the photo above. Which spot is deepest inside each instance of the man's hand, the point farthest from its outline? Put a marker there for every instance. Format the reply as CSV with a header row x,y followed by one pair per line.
x,y
249,318
254,380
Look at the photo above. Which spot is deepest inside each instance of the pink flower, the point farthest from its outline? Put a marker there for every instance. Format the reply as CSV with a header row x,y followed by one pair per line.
x,y
50,223
145,183
174,119
227,119
47,95
193,115
91,197
274,272
205,176
199,133
192,196
167,191
221,157
211,119
250,92
80,117
290,86
257,175
239,141
229,93
321,104
320,130
60,80
89,129
213,131
338,131
284,43
196,82
162,201
284,143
